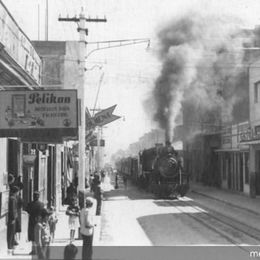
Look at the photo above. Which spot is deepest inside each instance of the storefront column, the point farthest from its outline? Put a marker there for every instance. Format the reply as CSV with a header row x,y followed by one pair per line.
x,y
252,171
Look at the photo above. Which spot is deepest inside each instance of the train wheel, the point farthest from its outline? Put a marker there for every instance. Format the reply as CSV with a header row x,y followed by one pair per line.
x,y
184,189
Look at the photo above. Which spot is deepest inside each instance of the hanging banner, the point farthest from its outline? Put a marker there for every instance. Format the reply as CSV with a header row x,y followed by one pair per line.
x,y
101,118
50,113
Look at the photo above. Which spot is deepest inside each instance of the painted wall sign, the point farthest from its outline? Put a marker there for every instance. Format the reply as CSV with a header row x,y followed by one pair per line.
x,y
44,109
250,135
17,45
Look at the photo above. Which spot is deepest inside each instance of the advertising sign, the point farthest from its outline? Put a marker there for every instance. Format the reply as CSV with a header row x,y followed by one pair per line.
x,y
21,111
101,118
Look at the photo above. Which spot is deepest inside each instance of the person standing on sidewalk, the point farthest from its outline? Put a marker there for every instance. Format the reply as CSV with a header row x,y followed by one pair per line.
x,y
53,219
12,217
125,181
42,235
34,210
98,196
73,213
18,227
87,229
116,181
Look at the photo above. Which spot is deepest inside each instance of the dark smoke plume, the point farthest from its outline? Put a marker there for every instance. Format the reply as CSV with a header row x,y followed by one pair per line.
x,y
201,59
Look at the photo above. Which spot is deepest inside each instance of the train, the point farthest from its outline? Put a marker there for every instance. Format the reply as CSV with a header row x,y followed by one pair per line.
x,y
158,170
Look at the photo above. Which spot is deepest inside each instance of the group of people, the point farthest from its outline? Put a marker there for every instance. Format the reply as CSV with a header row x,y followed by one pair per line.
x,y
42,221
41,227
84,220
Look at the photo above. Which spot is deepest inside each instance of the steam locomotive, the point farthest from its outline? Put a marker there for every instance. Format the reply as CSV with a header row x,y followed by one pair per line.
x,y
158,170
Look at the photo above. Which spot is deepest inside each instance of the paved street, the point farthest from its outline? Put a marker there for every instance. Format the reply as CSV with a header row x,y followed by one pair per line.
x,y
132,217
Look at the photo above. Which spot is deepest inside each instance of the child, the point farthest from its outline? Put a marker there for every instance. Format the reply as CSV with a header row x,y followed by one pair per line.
x,y
42,235
53,219
70,252
73,213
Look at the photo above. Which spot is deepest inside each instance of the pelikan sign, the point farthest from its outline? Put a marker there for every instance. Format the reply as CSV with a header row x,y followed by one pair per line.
x,y
38,110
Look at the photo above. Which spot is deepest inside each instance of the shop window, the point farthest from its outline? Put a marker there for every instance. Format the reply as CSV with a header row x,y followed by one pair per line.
x,y
246,168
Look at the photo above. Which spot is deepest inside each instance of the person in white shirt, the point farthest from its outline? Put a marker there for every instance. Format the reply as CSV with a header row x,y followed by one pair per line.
x,y
87,229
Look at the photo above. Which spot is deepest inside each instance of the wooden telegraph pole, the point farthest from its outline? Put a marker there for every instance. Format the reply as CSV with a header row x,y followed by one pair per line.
x,y
81,21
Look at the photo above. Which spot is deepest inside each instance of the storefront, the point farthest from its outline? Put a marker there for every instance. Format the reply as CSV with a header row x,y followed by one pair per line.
x,y
234,158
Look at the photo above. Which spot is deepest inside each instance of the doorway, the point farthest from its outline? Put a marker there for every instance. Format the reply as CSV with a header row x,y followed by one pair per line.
x,y
257,172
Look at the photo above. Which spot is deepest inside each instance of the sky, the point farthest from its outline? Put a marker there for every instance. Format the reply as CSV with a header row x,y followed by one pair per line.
x,y
126,75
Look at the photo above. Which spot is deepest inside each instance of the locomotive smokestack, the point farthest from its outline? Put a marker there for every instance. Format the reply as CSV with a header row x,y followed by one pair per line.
x,y
167,136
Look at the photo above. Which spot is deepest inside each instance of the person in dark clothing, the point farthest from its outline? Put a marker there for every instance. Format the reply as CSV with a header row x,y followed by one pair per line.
x,y
95,182
116,181
62,188
11,180
76,180
98,197
103,175
71,193
34,210
70,252
125,181
12,217
18,228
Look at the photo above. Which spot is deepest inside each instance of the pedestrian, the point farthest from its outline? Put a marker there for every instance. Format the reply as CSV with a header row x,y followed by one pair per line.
x,y
11,180
62,188
98,196
102,172
18,182
71,193
34,210
76,180
70,252
18,227
73,213
53,219
125,181
87,229
116,181
91,182
42,235
12,218
95,181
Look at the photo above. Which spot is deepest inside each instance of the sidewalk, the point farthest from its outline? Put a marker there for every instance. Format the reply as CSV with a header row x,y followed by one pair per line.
x,y
104,235
236,199
62,237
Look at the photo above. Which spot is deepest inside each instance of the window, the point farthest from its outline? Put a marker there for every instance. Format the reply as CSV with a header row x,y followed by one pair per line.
x,y
257,84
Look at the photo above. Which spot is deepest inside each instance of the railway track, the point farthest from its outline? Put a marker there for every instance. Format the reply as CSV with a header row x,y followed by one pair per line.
x,y
234,231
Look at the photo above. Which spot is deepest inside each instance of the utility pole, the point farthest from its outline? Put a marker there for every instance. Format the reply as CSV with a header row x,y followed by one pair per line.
x,y
47,21
81,21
